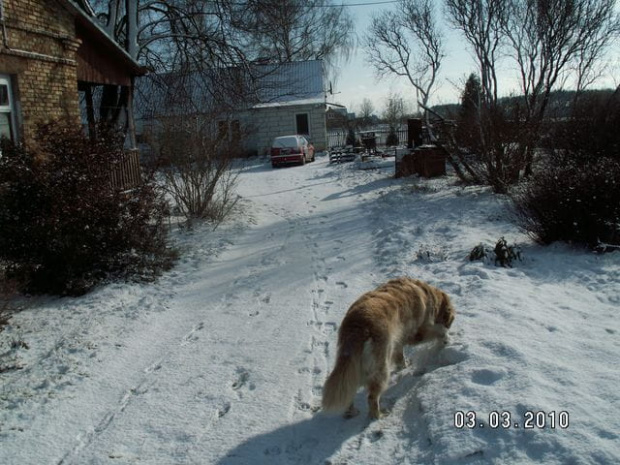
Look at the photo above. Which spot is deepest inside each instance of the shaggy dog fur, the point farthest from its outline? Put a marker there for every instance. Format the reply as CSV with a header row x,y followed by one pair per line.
x,y
373,333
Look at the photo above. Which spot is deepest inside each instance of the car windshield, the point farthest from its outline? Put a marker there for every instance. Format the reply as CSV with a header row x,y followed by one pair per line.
x,y
285,142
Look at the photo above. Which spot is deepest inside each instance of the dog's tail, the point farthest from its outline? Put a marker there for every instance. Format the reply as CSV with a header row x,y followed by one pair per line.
x,y
344,380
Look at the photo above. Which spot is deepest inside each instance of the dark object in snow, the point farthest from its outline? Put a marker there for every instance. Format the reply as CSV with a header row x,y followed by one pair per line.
x,y
428,161
478,253
505,254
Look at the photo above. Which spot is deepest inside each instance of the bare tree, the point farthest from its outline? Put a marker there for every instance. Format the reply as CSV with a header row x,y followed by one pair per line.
x,y
482,24
366,111
553,41
394,112
296,30
408,43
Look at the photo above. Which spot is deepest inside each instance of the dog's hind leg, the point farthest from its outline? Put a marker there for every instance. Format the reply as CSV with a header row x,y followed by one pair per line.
x,y
376,386
398,358
378,379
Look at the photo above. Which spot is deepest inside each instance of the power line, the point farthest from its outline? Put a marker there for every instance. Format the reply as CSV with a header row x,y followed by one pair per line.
x,y
385,2
366,4
354,4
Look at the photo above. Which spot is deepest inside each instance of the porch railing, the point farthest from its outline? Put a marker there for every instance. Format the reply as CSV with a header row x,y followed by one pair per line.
x,y
126,173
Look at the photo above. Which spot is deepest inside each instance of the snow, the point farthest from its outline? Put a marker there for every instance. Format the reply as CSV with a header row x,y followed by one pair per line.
x,y
222,360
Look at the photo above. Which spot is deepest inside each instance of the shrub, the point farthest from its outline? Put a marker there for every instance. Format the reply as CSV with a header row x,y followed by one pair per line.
x,y
572,203
7,293
575,195
505,254
200,172
64,227
478,253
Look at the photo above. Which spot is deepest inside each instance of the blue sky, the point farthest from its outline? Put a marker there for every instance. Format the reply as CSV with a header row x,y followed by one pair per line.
x,y
357,79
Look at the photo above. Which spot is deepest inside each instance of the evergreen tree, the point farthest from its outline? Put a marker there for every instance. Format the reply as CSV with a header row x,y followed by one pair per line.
x,y
468,132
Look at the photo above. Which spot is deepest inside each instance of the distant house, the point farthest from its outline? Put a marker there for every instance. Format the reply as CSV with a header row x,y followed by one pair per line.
x,y
51,50
282,99
294,102
336,117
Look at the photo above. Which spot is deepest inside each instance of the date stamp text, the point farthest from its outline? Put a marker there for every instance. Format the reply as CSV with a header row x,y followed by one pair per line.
x,y
505,420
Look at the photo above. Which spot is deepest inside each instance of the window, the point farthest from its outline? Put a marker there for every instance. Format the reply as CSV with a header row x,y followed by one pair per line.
x,y
301,121
7,112
222,130
235,130
229,130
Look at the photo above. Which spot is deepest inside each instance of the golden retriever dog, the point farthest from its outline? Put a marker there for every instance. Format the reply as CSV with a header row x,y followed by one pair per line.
x,y
372,335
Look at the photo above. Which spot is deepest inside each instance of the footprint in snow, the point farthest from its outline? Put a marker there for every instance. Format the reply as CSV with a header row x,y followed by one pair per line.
x,y
487,377
223,410
329,328
242,380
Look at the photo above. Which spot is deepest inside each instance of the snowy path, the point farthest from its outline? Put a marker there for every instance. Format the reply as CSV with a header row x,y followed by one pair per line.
x,y
222,361
237,336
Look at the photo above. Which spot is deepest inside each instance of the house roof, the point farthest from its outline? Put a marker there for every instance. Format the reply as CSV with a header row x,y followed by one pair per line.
x,y
257,86
289,82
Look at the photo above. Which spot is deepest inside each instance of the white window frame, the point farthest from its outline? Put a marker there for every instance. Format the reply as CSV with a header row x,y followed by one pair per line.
x,y
5,80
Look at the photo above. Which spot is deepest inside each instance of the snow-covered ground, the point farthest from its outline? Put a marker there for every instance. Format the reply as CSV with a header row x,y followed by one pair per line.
x,y
222,361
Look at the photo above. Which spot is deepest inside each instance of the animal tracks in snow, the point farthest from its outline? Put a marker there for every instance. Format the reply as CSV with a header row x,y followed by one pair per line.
x,y
327,328
193,335
241,380
326,254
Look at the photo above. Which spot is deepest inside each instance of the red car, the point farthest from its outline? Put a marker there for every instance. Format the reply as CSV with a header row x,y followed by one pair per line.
x,y
294,149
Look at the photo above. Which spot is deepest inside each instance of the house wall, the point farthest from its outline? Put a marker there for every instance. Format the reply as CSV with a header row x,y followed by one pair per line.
x,y
273,121
39,54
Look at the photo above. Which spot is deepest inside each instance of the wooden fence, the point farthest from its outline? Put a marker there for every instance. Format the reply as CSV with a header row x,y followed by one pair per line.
x,y
338,138
126,173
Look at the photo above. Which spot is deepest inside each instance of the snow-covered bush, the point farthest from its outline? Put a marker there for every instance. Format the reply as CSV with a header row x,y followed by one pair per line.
x,y
64,227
